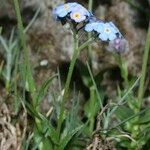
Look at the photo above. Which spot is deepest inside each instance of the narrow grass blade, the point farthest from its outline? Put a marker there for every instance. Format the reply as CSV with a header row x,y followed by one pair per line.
x,y
68,137
100,100
33,20
144,67
125,96
129,118
0,30
43,89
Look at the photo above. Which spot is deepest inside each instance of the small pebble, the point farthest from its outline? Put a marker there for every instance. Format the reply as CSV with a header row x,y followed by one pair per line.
x,y
44,62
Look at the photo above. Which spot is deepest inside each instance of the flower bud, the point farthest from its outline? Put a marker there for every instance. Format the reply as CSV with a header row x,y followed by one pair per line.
x,y
119,45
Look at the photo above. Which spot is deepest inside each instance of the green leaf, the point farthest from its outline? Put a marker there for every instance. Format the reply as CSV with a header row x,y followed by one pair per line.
x,y
0,30
31,110
84,73
43,89
145,118
72,119
1,67
144,135
68,137
43,123
96,88
46,144
129,118
41,142
49,129
37,139
92,106
123,112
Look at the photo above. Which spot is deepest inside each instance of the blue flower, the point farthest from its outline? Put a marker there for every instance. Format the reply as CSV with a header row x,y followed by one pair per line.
x,y
108,31
75,13
91,26
63,10
79,14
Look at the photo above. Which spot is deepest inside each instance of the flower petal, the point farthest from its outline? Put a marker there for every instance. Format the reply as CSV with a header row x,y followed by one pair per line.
x,y
100,27
103,37
63,14
82,18
112,36
88,28
63,9
113,26
81,9
78,14
91,26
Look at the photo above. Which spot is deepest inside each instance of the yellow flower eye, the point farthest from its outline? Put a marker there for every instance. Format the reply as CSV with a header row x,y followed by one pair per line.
x,y
76,15
107,30
66,7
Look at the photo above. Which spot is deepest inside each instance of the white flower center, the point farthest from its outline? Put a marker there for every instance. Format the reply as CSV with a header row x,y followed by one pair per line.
x,y
66,6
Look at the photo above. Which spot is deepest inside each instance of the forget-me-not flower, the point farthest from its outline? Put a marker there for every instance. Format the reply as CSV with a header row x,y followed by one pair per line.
x,y
92,24
64,9
74,13
108,31
79,14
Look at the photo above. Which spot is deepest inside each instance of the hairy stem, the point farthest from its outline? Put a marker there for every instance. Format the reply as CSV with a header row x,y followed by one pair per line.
x,y
71,68
90,6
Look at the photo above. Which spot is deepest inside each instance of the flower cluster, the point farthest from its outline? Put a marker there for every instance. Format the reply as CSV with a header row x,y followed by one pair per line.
x,y
71,11
76,14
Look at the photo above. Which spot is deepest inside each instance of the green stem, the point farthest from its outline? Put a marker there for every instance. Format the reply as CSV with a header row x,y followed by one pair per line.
x,y
144,67
27,70
91,127
20,28
92,78
123,68
90,5
71,67
89,36
16,80
8,63
0,30
8,73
